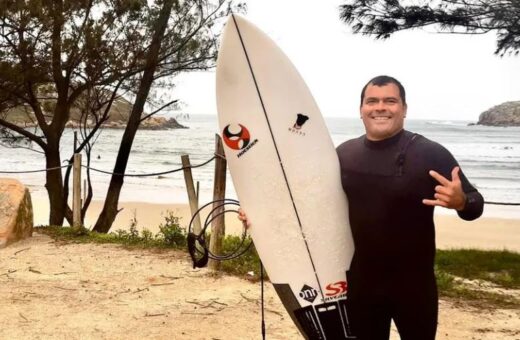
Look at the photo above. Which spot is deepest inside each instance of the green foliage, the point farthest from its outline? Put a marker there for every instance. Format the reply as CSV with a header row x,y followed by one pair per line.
x,y
382,18
171,233
248,264
500,267
452,287
484,269
445,281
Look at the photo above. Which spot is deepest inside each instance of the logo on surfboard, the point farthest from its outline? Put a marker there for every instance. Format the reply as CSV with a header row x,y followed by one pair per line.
x,y
297,126
336,289
308,293
238,138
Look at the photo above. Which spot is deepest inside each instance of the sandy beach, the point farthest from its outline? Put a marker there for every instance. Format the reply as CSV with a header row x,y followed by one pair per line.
x,y
487,232
57,290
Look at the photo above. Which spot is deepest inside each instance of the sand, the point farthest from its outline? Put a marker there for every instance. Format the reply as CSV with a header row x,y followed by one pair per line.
x,y
56,290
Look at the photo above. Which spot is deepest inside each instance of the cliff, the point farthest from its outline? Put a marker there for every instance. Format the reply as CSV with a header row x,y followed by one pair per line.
x,y
506,114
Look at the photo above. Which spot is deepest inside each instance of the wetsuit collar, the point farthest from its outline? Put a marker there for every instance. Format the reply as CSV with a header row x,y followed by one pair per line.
x,y
385,142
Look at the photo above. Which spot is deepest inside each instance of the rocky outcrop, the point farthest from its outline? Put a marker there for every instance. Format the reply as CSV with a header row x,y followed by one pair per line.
x,y
152,123
160,123
506,114
16,213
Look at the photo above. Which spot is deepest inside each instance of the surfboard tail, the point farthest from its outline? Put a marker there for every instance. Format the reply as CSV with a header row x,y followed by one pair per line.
x,y
325,321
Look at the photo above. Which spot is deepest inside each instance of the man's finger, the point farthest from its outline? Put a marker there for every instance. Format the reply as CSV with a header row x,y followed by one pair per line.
x,y
441,179
444,198
442,190
434,203
455,174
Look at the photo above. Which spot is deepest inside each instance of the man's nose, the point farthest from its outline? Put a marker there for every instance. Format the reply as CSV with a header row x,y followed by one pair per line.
x,y
380,106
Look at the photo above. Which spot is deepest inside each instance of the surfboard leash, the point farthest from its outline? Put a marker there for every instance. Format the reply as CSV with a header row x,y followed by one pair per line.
x,y
262,298
197,245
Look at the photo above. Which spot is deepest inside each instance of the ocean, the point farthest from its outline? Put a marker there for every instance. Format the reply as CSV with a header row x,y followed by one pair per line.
x,y
489,156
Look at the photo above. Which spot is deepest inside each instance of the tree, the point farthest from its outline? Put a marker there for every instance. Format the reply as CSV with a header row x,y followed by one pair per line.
x,y
54,54
385,17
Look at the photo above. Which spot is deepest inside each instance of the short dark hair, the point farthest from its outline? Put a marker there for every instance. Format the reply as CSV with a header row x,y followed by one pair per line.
x,y
382,81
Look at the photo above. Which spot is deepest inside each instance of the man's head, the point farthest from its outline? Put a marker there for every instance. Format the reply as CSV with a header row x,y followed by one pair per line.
x,y
383,107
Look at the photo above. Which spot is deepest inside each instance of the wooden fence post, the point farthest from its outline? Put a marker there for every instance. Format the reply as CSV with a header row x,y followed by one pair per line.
x,y
193,196
219,191
76,192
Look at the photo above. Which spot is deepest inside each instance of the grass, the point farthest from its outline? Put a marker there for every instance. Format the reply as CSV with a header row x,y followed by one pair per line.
x,y
477,277
171,235
499,267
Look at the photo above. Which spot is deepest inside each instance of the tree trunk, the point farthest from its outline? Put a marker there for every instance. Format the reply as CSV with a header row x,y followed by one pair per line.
x,y
110,210
54,184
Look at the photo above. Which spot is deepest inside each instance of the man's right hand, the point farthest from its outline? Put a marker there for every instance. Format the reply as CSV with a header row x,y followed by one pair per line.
x,y
243,217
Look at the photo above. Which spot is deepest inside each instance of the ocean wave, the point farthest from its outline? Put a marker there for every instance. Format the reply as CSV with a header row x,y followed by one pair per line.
x,y
448,122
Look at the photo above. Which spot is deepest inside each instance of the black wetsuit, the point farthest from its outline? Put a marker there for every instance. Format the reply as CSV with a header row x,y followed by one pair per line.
x,y
391,275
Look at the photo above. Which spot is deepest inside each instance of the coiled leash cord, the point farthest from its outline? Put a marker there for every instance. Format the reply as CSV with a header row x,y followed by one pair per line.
x,y
197,244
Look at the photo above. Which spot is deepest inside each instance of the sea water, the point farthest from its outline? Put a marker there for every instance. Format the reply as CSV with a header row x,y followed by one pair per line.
x,y
489,157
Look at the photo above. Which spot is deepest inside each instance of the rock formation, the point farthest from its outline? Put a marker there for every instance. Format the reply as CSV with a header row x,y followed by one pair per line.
x,y
506,114
152,123
16,213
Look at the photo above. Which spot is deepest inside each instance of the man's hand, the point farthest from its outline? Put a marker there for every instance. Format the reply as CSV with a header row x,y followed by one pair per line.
x,y
243,217
448,194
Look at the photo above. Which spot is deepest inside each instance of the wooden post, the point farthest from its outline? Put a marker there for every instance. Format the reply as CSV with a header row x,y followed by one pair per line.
x,y
218,229
84,191
76,192
192,195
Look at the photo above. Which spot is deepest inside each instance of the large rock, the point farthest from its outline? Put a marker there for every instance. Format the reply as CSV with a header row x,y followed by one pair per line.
x,y
16,213
506,114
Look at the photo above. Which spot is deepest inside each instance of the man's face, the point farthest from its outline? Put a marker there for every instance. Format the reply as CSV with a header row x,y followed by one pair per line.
x,y
382,111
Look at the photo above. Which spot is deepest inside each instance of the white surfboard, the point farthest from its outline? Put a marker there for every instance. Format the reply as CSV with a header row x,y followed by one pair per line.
x,y
286,173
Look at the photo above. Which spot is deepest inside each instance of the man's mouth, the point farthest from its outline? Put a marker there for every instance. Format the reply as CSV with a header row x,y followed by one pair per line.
x,y
381,118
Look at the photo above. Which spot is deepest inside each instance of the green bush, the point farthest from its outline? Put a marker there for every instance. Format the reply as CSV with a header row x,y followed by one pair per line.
x,y
246,264
171,232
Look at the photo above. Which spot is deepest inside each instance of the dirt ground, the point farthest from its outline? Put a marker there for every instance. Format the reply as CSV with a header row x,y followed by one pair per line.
x,y
56,290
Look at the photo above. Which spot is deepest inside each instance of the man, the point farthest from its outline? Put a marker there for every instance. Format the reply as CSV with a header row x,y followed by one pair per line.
x,y
393,180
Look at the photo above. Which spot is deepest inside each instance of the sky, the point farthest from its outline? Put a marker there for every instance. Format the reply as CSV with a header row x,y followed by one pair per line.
x,y
446,76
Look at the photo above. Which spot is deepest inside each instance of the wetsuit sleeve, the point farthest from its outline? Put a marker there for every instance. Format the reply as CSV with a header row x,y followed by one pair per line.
x,y
474,201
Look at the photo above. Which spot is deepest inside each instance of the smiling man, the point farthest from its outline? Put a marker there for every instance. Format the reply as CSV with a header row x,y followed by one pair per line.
x,y
393,179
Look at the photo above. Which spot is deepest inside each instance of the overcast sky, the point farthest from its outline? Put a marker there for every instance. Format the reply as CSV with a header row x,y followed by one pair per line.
x,y
447,76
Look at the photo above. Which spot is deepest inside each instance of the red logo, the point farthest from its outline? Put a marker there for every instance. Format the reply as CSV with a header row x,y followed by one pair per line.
x,y
337,288
236,140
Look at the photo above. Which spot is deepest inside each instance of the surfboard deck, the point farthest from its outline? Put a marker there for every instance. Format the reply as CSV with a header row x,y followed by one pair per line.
x,y
286,173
